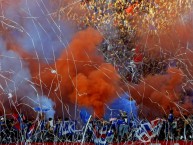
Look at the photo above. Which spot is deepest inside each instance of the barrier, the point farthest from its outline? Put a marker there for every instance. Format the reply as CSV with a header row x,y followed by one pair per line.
x,y
124,143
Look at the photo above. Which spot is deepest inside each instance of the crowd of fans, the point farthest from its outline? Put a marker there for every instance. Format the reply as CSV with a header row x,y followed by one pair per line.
x,y
122,23
124,128
116,20
111,19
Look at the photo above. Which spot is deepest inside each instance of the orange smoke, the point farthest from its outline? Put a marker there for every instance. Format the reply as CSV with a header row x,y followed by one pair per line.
x,y
81,74
160,92
165,33
96,89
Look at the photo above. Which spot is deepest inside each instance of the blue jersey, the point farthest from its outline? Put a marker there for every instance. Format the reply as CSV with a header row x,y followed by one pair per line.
x,y
170,118
42,125
120,121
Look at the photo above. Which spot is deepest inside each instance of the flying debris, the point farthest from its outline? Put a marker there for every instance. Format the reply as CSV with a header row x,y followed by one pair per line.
x,y
96,71
10,96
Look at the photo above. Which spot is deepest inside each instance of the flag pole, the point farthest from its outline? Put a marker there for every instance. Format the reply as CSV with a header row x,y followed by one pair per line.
x,y
85,130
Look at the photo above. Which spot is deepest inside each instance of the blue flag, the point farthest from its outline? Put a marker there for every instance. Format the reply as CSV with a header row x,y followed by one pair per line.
x,y
84,115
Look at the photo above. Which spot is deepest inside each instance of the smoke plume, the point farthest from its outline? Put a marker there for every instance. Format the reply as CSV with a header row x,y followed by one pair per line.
x,y
53,68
